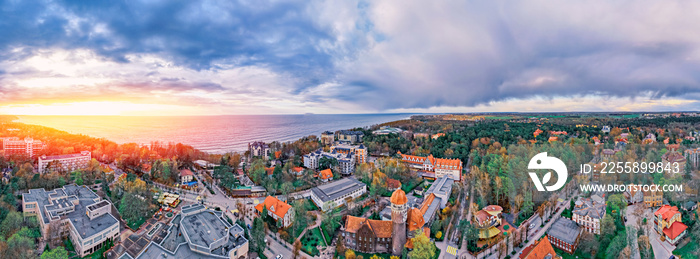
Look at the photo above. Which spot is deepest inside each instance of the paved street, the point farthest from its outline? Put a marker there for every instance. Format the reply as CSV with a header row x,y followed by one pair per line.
x,y
632,218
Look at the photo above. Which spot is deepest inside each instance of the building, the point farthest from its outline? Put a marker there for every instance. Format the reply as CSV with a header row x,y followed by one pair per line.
x,y
359,151
386,130
391,234
435,167
607,154
327,138
349,136
325,175
634,196
64,163
259,149
346,162
335,194
297,171
23,147
487,221
198,232
565,235
541,249
421,135
441,188
186,176
673,160
653,198
280,211
693,155
669,225
73,212
588,214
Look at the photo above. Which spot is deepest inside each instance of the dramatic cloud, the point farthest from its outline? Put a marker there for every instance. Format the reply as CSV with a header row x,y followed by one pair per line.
x,y
225,57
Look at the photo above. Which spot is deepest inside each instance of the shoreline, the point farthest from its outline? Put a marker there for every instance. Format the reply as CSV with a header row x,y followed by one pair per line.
x,y
208,143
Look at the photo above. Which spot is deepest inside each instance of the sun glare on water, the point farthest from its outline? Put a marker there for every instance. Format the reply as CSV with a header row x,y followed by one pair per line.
x,y
89,108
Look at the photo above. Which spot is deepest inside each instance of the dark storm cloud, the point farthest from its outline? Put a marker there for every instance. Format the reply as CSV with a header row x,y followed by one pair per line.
x,y
381,55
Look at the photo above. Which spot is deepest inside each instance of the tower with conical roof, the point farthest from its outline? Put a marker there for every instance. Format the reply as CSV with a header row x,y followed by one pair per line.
x,y
399,207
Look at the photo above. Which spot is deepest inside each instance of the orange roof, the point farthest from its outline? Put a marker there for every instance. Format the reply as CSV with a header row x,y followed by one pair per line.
x,y
393,184
270,170
445,163
326,174
666,212
415,219
274,205
277,154
426,203
398,197
297,169
381,228
675,229
185,172
539,250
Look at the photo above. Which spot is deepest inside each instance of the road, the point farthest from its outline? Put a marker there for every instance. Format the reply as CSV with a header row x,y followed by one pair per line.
x,y
542,231
632,222
662,249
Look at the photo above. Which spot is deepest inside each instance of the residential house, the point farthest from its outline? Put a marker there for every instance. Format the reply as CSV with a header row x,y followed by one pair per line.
x,y
346,162
653,198
327,138
186,176
349,136
541,249
325,175
564,234
588,214
392,185
297,171
259,149
673,160
280,211
668,223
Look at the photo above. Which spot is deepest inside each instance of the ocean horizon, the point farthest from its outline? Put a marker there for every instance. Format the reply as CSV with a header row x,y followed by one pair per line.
x,y
213,134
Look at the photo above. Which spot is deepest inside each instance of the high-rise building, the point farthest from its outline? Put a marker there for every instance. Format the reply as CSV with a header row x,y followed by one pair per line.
x,y
16,146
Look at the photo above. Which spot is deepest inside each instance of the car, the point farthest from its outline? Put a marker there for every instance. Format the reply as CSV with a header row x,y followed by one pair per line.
x,y
278,257
532,226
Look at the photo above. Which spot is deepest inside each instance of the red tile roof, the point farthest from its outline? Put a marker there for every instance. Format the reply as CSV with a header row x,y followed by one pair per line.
x,y
381,228
326,174
667,212
274,205
675,229
185,172
539,250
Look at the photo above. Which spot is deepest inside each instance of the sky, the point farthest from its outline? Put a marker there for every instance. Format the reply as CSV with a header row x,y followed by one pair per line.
x,y
167,57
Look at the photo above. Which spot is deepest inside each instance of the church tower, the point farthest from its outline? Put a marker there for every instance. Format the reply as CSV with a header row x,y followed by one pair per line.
x,y
399,209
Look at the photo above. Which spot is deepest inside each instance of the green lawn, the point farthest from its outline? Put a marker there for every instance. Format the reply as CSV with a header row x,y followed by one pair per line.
x,y
312,239
687,250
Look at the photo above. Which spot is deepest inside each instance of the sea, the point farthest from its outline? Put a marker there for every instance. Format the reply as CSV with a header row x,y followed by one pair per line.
x,y
213,134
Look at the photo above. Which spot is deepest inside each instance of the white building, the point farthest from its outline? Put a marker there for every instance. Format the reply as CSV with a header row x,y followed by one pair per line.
x,y
16,146
346,162
75,212
588,214
64,163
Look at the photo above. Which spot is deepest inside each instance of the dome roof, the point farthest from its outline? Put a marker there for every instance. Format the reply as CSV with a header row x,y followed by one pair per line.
x,y
398,197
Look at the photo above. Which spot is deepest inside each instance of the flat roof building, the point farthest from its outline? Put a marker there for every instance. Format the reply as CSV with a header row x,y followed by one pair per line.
x,y
442,188
334,194
198,232
564,234
64,163
75,212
